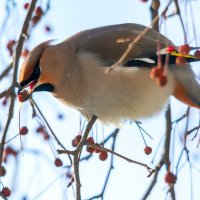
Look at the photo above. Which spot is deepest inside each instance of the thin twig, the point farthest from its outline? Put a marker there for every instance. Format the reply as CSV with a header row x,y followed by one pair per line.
x,y
181,20
77,155
101,195
52,132
133,43
6,71
14,80
5,92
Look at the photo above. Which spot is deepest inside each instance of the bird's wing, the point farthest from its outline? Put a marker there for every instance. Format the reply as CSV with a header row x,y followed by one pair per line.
x,y
110,42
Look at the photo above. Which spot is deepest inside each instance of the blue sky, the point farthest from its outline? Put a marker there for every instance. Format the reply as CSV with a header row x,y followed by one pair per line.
x,y
128,181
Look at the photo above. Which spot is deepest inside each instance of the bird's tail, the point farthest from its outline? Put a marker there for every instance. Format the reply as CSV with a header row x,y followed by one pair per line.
x,y
187,89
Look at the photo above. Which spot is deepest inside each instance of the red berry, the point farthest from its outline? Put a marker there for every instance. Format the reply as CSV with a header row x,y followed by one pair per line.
x,y
91,140
26,6
169,49
184,49
180,60
2,171
103,155
90,149
6,191
23,130
76,140
144,1
46,136
58,162
147,150
156,72
161,81
5,101
10,150
35,19
40,129
38,11
97,150
74,143
10,46
79,137
197,54
170,178
23,96
25,53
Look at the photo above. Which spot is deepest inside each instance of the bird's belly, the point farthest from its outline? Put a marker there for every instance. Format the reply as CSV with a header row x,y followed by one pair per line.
x,y
125,94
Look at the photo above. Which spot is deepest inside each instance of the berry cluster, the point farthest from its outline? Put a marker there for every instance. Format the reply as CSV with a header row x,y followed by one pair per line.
x,y
103,155
158,74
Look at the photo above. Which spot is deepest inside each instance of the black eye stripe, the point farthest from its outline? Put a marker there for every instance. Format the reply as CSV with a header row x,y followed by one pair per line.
x,y
34,76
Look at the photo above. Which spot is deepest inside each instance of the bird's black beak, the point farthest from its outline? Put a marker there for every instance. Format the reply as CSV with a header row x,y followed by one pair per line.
x,y
24,94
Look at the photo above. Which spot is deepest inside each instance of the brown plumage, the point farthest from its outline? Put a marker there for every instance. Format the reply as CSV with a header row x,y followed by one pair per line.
x,y
75,68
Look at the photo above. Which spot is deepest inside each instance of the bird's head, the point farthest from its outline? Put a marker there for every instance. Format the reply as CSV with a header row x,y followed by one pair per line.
x,y
31,74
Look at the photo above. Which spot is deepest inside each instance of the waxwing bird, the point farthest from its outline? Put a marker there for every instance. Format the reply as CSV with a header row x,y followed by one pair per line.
x,y
74,71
